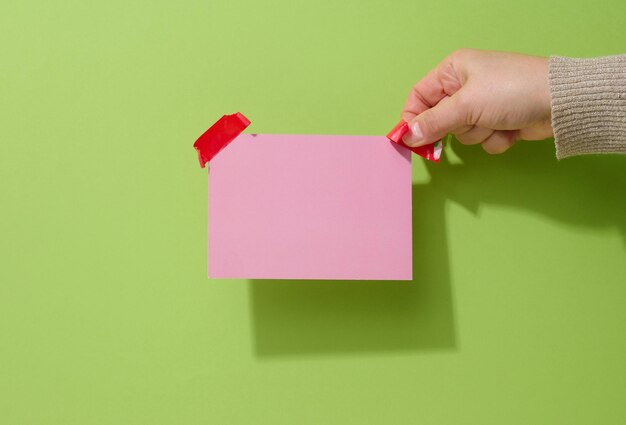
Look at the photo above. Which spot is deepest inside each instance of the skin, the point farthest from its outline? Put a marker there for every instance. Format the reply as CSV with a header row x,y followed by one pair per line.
x,y
482,97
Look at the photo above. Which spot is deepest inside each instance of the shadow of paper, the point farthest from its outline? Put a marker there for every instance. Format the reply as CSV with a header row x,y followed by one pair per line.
x,y
332,317
298,317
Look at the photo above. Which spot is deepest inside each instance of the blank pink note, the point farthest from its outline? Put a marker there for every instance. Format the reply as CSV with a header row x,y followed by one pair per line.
x,y
310,207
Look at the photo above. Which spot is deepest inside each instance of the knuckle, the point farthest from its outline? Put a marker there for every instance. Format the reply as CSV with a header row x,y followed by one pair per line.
x,y
465,139
461,53
489,148
500,142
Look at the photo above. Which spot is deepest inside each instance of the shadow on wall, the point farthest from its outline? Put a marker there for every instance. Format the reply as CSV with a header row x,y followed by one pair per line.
x,y
587,191
292,318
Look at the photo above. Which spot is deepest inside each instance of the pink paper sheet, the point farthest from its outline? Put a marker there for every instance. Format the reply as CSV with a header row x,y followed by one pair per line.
x,y
310,207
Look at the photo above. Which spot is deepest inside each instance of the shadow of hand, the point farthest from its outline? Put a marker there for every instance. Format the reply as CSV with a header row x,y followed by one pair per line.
x,y
581,191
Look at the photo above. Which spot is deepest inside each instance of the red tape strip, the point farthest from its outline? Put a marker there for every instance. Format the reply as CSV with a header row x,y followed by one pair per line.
x,y
219,135
431,152
227,128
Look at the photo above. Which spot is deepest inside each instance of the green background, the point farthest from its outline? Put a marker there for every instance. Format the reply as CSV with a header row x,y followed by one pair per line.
x,y
517,313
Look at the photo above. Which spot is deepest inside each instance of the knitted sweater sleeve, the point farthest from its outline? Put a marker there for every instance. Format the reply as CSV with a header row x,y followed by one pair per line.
x,y
588,105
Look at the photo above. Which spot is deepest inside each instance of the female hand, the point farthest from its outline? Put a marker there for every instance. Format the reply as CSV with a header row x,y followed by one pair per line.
x,y
485,97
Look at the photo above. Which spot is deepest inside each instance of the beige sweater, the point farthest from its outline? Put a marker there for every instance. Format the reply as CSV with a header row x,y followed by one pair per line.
x,y
588,105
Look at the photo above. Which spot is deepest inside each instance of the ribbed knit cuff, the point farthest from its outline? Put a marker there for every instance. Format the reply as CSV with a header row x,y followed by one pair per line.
x,y
588,105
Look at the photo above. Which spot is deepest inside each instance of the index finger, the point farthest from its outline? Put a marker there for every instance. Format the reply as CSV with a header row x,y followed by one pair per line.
x,y
430,90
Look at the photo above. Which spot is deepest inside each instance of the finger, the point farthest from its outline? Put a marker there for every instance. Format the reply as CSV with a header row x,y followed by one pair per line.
x,y
474,135
447,116
430,90
500,141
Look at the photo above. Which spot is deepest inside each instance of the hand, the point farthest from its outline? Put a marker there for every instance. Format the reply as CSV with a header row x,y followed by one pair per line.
x,y
485,97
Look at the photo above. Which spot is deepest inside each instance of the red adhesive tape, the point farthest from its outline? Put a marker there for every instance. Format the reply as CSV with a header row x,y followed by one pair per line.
x,y
219,135
431,152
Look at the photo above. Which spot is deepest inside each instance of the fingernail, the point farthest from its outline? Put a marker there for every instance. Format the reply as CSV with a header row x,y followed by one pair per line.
x,y
414,136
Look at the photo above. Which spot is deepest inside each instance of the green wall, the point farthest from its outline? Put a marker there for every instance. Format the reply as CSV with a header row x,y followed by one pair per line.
x,y
517,314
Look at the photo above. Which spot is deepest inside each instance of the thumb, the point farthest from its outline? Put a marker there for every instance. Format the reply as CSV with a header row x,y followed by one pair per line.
x,y
447,116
